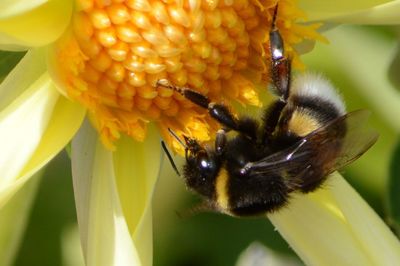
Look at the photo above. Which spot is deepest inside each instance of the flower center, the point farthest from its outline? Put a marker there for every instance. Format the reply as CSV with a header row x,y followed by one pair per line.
x,y
125,47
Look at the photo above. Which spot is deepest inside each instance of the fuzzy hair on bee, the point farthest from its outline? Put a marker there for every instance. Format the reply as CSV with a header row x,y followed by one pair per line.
x,y
312,102
301,138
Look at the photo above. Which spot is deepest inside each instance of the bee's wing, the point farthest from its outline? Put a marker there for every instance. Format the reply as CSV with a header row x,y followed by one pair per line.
x,y
326,149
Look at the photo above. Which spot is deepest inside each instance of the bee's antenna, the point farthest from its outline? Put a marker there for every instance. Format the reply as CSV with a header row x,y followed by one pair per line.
x,y
176,137
165,84
273,26
170,158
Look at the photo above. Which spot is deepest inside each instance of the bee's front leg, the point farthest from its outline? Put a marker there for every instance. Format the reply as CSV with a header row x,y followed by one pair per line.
x,y
218,111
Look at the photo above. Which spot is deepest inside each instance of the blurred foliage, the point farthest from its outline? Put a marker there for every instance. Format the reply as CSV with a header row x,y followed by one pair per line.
x,y
208,238
213,239
393,197
7,62
53,212
394,73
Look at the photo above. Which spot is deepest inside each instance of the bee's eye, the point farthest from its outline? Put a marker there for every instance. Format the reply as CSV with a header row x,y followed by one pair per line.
x,y
202,159
203,162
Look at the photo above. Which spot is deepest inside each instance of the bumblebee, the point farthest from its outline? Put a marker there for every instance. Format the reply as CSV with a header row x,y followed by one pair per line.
x,y
303,136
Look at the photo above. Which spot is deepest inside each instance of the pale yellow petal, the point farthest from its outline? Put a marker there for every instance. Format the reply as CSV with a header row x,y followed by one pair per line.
x,y
14,216
374,236
22,125
11,47
137,167
66,117
10,8
105,235
354,12
28,70
37,27
322,227
143,236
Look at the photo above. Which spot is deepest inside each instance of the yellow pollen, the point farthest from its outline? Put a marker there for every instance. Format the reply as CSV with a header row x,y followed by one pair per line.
x,y
117,50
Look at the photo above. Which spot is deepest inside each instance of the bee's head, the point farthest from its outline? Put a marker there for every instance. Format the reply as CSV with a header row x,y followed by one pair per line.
x,y
201,168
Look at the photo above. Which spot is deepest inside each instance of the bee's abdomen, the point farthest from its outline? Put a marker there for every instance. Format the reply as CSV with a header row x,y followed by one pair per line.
x,y
256,195
313,103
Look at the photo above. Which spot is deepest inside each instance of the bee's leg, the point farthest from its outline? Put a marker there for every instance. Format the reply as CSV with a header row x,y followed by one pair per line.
x,y
220,141
280,64
280,77
218,111
271,119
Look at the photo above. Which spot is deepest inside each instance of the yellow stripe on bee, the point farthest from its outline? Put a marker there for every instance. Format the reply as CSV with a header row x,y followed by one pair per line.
x,y
221,187
302,123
